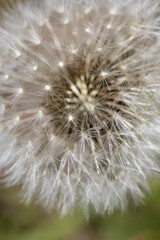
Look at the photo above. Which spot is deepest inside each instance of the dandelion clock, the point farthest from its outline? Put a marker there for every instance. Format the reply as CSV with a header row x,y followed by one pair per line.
x,y
79,101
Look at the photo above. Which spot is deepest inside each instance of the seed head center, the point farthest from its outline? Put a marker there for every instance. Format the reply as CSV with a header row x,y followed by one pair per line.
x,y
83,97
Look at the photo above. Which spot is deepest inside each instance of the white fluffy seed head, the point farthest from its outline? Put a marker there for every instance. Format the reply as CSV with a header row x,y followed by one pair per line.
x,y
79,101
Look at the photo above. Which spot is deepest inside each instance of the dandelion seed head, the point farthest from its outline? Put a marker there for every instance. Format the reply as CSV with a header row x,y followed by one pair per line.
x,y
79,101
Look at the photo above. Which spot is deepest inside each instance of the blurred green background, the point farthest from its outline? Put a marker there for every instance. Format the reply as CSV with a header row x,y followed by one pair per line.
x,y
20,222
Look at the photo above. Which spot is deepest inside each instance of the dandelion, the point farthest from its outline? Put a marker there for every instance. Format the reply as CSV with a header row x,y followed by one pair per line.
x,y
79,101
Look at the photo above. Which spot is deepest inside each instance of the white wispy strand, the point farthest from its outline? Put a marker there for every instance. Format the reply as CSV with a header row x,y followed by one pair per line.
x,y
79,101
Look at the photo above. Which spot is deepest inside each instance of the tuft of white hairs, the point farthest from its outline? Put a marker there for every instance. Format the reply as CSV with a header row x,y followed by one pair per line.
x,y
79,101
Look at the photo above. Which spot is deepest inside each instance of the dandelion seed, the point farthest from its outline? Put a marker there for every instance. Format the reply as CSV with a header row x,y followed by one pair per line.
x,y
47,88
61,64
66,21
35,68
17,118
74,51
6,76
70,117
99,49
40,113
109,26
104,74
87,30
20,90
18,54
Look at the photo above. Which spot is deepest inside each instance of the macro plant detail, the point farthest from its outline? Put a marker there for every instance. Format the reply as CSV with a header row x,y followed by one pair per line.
x,y
79,101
